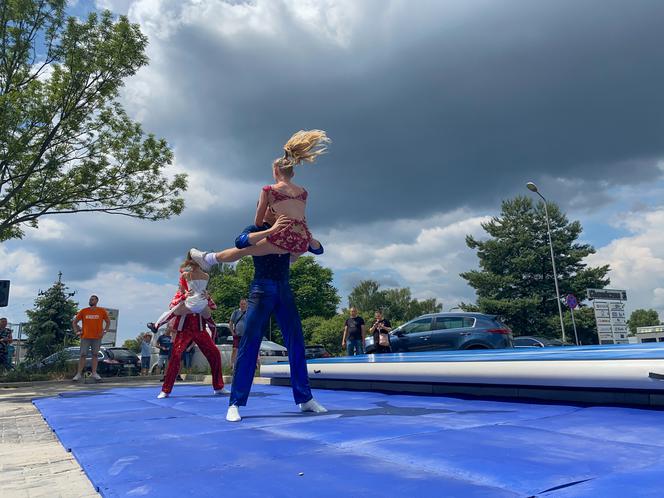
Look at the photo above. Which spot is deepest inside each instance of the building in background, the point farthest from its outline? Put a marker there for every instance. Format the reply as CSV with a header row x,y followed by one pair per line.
x,y
654,333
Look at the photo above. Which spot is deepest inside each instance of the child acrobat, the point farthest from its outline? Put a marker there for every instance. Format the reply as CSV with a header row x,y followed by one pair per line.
x,y
283,201
192,297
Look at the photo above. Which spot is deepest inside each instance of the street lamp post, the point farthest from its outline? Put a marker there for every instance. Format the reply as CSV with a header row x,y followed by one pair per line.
x,y
533,188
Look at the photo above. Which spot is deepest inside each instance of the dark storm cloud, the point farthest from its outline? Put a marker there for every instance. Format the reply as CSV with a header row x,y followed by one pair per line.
x,y
430,107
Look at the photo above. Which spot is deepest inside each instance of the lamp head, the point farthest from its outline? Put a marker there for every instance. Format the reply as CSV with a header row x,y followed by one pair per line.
x,y
531,186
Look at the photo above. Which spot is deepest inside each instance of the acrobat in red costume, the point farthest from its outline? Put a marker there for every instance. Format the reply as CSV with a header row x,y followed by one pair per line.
x,y
193,329
176,321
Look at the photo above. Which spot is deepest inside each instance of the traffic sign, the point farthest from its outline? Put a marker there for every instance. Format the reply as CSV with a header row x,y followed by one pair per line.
x,y
571,301
607,294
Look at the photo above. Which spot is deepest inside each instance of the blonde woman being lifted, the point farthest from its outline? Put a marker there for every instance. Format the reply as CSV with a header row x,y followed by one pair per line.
x,y
281,205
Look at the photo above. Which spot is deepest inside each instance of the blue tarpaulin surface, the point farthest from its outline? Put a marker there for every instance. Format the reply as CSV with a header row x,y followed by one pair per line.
x,y
369,444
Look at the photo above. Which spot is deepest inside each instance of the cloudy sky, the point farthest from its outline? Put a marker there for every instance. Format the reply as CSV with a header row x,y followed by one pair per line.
x,y
437,111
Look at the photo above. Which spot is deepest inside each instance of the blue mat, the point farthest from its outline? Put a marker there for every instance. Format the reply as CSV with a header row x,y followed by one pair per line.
x,y
369,444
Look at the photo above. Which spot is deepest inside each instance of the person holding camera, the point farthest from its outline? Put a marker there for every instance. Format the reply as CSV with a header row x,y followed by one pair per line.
x,y
381,333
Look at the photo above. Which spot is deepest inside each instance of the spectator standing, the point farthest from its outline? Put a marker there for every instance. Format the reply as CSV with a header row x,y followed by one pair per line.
x,y
165,344
95,322
146,353
188,355
381,333
237,325
354,334
5,342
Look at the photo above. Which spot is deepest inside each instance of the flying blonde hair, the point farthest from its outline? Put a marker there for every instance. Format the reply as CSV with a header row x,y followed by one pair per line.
x,y
303,146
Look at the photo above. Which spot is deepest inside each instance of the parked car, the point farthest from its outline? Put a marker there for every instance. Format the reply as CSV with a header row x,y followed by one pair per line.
x,y
440,331
111,361
529,341
316,351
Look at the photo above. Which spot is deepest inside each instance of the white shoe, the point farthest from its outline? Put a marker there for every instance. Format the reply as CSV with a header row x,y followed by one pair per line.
x,y
199,257
221,391
233,414
96,376
77,377
312,406
162,395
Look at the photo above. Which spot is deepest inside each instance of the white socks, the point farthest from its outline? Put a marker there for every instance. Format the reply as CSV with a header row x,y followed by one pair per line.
x,y
211,259
233,414
312,406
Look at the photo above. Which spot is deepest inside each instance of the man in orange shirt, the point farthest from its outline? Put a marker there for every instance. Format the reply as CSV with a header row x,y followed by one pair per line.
x,y
95,323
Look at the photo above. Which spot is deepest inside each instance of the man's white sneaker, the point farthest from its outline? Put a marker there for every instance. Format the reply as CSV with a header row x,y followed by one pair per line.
x,y
199,257
162,395
77,377
221,391
233,414
96,376
312,406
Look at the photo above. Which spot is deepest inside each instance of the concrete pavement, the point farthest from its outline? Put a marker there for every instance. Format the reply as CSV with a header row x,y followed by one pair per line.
x,y
33,463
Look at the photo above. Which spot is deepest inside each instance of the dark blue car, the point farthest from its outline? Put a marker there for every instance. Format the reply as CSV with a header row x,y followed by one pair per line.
x,y
440,331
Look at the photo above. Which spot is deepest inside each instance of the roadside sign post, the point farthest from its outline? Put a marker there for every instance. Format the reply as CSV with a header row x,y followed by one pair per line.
x,y
572,303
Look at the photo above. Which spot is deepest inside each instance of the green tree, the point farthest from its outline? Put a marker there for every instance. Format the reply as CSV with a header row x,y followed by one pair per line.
x,y
329,333
515,279
367,297
49,323
397,304
584,318
642,318
66,144
309,325
312,286
134,344
228,284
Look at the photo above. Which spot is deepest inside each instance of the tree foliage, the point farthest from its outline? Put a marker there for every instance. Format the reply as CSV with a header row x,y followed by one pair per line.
x,y
134,344
66,144
586,328
642,318
312,286
515,279
49,323
326,331
397,304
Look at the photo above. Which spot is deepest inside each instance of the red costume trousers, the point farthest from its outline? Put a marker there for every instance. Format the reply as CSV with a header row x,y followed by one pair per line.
x,y
193,331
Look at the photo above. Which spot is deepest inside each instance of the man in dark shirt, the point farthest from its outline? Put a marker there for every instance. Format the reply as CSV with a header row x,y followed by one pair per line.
x,y
164,343
354,332
269,293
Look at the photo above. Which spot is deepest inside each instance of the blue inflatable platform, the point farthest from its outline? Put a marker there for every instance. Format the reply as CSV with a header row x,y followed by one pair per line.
x,y
369,444
629,374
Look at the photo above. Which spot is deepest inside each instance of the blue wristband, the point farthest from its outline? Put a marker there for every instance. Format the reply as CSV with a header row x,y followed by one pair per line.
x,y
318,251
242,241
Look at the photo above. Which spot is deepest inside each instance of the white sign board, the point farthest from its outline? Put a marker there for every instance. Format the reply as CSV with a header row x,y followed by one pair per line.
x,y
610,318
112,332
